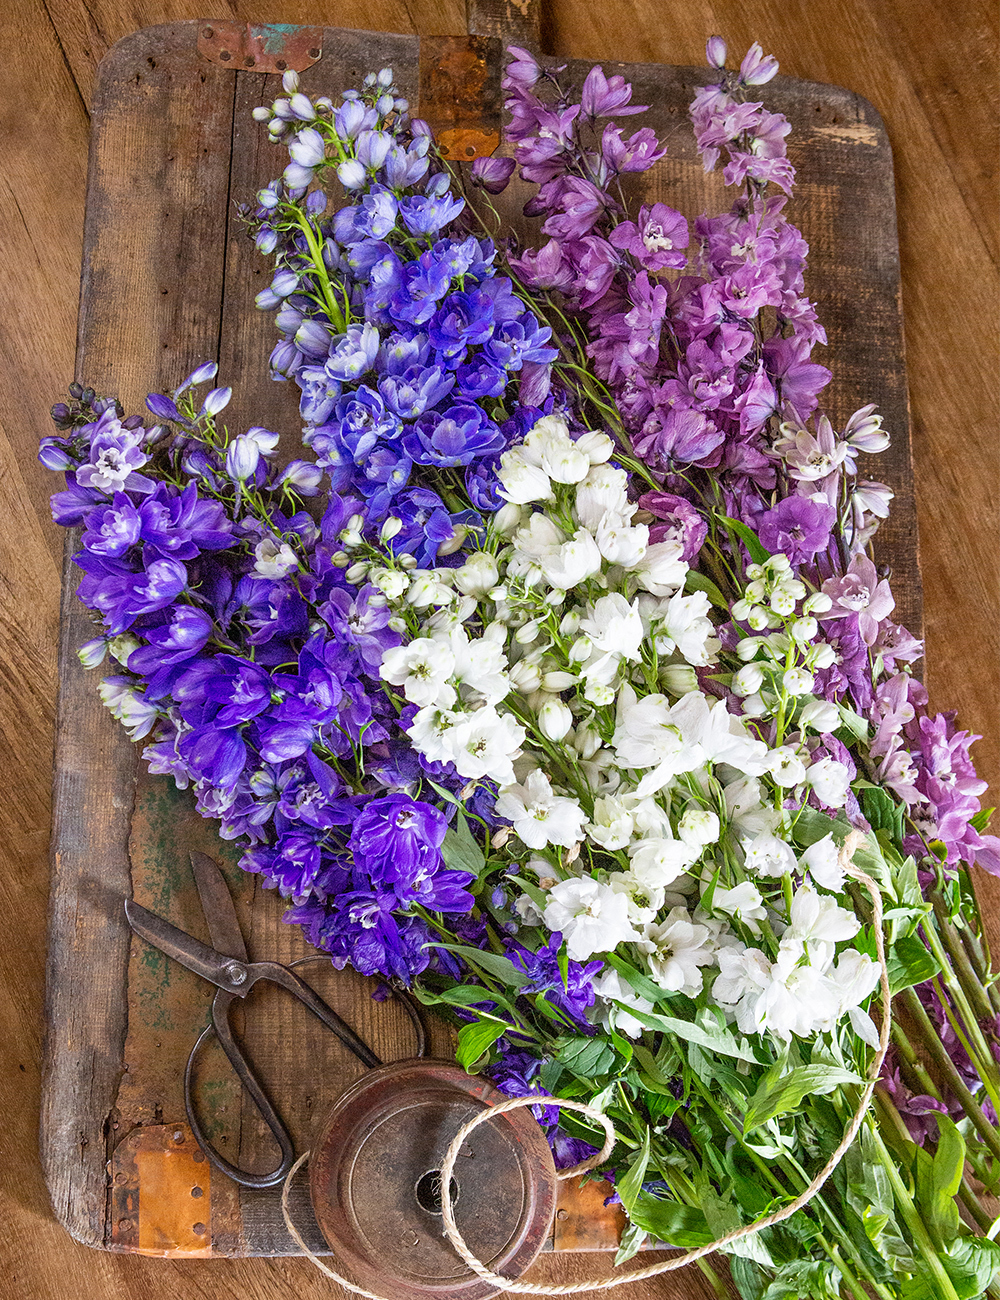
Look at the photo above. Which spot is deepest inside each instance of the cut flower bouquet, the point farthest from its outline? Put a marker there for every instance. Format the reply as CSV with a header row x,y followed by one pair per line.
x,y
573,701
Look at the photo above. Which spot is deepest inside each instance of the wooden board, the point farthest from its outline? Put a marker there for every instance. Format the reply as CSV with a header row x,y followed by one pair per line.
x,y
168,281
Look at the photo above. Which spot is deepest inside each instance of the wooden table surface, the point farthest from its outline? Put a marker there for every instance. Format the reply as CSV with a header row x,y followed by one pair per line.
x,y
929,69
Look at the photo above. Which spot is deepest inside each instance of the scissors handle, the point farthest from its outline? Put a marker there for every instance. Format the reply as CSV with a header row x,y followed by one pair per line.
x,y
220,1027
277,974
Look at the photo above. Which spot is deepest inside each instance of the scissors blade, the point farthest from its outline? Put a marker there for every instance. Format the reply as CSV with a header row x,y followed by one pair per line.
x,y
213,966
217,904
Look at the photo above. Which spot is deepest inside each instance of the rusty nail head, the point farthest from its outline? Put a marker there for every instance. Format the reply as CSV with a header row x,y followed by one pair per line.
x,y
121,1178
178,1135
562,1214
208,33
199,1228
280,64
225,55
198,1157
124,1224
315,52
196,1192
249,61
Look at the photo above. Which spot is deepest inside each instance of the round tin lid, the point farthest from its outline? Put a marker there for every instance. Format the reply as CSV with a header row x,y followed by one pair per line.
x,y
375,1183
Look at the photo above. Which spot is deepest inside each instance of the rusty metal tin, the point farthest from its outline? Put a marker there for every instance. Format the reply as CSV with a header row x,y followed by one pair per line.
x,y
372,1183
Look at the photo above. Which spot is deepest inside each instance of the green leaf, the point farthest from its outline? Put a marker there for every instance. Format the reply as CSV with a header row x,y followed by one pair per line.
x,y
630,1185
937,1180
972,1264
909,962
778,1096
696,581
882,811
982,819
653,1077
460,850
641,983
501,968
476,1039
587,1058
720,1040
666,1220
748,537
536,895
748,1278
631,1242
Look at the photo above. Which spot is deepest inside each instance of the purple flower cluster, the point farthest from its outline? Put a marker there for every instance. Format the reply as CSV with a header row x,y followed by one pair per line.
x,y
254,664
394,324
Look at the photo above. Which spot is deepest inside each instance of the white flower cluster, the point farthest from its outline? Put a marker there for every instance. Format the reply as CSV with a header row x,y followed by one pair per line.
x,y
560,662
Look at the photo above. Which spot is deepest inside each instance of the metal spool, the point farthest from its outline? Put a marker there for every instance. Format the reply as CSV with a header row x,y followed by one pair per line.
x,y
375,1185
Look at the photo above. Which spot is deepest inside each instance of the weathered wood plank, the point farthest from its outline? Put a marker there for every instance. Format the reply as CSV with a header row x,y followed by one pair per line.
x,y
152,275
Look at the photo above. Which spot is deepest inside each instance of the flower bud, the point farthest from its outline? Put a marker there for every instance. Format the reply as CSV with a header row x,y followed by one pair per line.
x,y
340,559
397,624
407,561
820,716
558,681
754,707
748,680
495,632
527,633
822,655
526,677
698,827
587,740
740,610
357,573
748,647
303,477
478,574
242,458
507,520
455,542
715,52
390,528
92,653
818,603
554,719
803,630
796,681
351,174
678,679
597,447
290,81
757,618
570,623
579,651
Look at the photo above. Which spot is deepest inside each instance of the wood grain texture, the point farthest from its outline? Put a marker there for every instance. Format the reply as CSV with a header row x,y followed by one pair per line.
x,y
927,72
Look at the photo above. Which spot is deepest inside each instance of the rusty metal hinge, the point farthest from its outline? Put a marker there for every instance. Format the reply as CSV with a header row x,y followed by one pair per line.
x,y
265,47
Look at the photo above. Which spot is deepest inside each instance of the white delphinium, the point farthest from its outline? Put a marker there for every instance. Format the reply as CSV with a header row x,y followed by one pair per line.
x,y
137,714
786,767
478,575
743,903
658,861
822,861
831,781
422,667
817,923
644,901
610,989
479,666
681,623
699,827
747,812
675,950
521,483
603,491
486,743
591,916
612,824
619,541
539,815
613,630
767,855
661,571
549,446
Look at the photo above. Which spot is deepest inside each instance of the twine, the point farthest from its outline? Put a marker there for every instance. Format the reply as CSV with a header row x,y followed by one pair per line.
x,y
854,840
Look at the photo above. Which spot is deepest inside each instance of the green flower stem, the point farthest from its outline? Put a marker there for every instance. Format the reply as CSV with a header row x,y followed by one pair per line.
x,y
911,1217
971,1050
954,1080
975,1033
980,965
970,981
913,1065
316,254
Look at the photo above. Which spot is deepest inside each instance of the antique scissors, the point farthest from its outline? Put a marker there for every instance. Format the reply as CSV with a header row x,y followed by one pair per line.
x,y
229,968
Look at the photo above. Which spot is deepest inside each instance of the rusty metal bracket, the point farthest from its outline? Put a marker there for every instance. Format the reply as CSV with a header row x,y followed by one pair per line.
x,y
460,94
267,47
161,1193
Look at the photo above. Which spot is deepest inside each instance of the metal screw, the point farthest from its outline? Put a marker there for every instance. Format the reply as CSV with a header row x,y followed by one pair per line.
x,y
562,1214
178,1135
249,61
225,56
198,1157
208,33
235,973
196,1192
125,1225
200,1229
409,1238
280,64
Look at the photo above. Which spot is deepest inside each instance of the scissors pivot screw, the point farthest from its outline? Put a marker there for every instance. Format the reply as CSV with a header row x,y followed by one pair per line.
x,y
236,974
